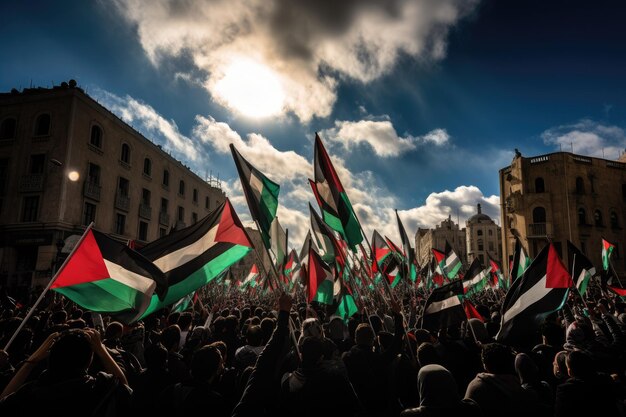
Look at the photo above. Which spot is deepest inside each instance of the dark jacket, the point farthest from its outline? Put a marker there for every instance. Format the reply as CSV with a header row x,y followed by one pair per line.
x,y
593,397
500,394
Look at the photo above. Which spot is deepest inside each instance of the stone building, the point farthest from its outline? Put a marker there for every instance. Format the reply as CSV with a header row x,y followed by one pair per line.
x,y
66,161
483,238
427,239
563,196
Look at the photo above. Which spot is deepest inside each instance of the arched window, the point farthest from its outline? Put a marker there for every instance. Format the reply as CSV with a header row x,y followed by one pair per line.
x,y
539,215
614,222
95,138
479,232
181,187
147,167
580,186
597,218
166,178
582,216
540,187
125,156
42,125
8,128
195,195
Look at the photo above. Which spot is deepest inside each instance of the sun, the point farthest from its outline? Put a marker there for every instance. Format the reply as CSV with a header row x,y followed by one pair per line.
x,y
251,89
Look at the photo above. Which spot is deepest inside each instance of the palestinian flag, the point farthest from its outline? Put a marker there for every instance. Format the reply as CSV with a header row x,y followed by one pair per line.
x,y
607,250
304,258
252,279
521,261
345,306
453,263
278,243
582,268
291,267
617,290
261,194
443,308
194,256
336,208
325,239
411,262
320,280
184,303
471,312
476,278
497,272
440,261
541,290
105,276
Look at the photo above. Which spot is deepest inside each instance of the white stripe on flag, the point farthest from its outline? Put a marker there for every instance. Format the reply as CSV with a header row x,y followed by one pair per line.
x,y
437,306
129,278
257,185
183,255
528,298
477,279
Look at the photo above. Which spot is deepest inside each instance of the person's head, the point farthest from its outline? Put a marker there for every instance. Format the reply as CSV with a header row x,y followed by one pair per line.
x,y
184,321
312,328
170,338
58,317
114,331
437,387
385,340
71,354
156,356
76,314
427,355
336,328
579,365
173,318
424,336
206,363
267,328
221,346
364,335
478,330
498,359
311,352
254,336
376,323
552,334
559,368
526,369
578,334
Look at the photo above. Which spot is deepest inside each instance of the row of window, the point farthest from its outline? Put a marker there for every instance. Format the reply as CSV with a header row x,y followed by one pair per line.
x,y
8,126
539,216
540,186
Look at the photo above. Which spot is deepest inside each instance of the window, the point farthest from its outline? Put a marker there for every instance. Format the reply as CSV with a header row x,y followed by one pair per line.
x,y
123,186
206,202
597,218
181,187
490,232
539,215
164,205
195,195
580,186
30,208
181,213
37,163
93,174
143,231
613,218
194,218
490,246
539,185
166,178
582,216
145,197
8,128
481,246
42,125
89,214
125,155
95,138
479,232
162,231
120,223
147,167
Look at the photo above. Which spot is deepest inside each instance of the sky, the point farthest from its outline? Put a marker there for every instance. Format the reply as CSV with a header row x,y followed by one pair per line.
x,y
419,102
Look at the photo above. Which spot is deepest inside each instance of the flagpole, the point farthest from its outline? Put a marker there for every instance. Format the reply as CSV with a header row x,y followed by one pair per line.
x,y
576,286
45,290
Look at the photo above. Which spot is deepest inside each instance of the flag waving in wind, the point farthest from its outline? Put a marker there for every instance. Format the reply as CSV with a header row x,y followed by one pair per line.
x,y
411,263
582,268
452,263
607,250
521,260
261,194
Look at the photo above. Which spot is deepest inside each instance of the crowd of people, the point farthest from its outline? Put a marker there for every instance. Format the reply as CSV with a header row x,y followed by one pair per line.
x,y
245,357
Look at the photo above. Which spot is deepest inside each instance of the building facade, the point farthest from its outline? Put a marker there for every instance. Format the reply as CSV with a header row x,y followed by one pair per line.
x,y
484,238
66,161
563,196
427,239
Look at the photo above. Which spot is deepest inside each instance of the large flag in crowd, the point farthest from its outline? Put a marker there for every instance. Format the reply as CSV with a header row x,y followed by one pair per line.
x,y
452,262
336,208
521,260
106,276
443,308
193,256
476,278
541,290
582,268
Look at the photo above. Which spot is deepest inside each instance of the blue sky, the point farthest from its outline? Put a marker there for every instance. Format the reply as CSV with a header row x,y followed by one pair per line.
x,y
419,102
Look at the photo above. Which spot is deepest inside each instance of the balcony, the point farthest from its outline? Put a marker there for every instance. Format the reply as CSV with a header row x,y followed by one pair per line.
x,y
164,218
539,230
122,202
92,190
31,183
145,211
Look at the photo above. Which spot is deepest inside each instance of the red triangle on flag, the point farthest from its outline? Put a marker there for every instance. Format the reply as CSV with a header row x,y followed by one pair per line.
x,y
230,228
556,273
471,312
85,265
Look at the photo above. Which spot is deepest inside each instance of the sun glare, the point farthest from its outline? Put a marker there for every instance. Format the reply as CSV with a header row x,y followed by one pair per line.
x,y
251,89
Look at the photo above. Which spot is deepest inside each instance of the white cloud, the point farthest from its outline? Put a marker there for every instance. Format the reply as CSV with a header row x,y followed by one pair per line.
x,y
307,46
587,137
151,124
381,136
